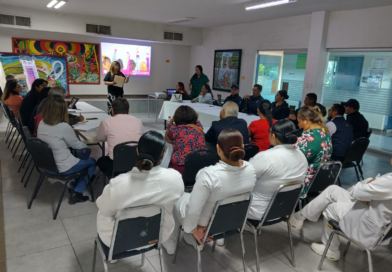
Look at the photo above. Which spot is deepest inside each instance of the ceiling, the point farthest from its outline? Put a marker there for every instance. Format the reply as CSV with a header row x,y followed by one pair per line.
x,y
208,13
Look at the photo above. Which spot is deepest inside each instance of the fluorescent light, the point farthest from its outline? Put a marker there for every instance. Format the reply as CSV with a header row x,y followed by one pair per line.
x,y
266,4
59,5
52,3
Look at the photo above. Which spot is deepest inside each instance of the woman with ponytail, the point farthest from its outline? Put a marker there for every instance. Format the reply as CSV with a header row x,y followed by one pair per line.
x,y
230,176
258,130
145,184
315,142
276,166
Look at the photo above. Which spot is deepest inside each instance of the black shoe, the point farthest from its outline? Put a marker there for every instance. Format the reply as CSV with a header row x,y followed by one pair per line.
x,y
76,198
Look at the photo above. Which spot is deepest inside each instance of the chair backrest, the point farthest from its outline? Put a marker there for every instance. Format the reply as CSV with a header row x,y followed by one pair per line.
x,y
198,160
229,217
10,114
42,154
283,203
124,157
357,150
3,107
369,133
327,174
133,233
26,133
250,151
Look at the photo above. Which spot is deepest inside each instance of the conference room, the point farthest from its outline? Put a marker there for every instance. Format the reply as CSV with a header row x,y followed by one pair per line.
x,y
205,136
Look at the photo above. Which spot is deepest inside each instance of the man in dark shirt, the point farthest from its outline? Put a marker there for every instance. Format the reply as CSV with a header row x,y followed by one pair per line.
x,y
310,101
31,100
357,120
250,103
229,119
234,97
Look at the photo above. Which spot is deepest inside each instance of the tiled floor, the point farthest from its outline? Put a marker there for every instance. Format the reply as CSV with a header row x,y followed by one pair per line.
x,y
36,243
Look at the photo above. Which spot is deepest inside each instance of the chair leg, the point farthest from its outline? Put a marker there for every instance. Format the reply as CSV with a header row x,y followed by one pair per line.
x,y
143,259
60,200
40,179
160,258
243,250
360,170
28,178
346,249
199,249
339,183
178,240
17,147
27,170
13,135
256,250
6,132
291,244
105,265
9,134
23,162
23,151
16,140
356,172
94,255
370,260
301,232
213,246
326,250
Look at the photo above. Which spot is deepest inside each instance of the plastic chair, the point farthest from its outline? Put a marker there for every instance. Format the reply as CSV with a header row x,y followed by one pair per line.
x,y
127,239
387,234
196,161
280,209
228,219
43,158
250,151
355,154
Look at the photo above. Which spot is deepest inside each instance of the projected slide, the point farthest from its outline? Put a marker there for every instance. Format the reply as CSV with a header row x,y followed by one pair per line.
x,y
134,59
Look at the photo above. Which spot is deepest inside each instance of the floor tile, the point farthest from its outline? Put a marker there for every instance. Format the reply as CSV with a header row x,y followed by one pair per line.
x,y
134,267
382,265
81,228
271,265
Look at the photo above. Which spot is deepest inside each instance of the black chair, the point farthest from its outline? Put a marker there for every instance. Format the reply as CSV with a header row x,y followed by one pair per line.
x,y
369,133
228,219
19,126
9,125
250,151
12,120
355,155
43,158
280,209
27,135
195,161
127,238
387,234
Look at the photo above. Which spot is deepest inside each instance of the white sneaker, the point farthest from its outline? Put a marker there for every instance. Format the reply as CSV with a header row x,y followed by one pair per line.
x,y
331,255
112,261
295,222
220,242
190,240
170,246
53,181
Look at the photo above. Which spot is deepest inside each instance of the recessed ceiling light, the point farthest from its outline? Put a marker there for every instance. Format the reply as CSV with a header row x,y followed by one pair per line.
x,y
268,3
182,20
52,3
60,4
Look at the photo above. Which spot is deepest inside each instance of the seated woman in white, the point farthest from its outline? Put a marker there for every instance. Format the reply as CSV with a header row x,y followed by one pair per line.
x,y
276,166
230,176
205,96
146,184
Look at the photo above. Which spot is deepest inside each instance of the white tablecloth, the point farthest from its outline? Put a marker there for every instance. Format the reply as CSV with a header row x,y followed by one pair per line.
x,y
207,113
85,108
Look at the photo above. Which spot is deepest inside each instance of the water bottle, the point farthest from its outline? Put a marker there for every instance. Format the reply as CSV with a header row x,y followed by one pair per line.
x,y
219,100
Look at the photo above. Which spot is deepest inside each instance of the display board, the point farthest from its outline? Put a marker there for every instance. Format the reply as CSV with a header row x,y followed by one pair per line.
x,y
83,58
133,59
28,68
227,68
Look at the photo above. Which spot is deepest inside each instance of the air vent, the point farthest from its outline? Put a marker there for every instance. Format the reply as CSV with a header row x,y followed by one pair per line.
x,y
168,35
172,36
7,19
22,21
177,36
98,29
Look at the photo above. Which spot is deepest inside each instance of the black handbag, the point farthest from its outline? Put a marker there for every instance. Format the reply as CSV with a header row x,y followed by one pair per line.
x,y
83,153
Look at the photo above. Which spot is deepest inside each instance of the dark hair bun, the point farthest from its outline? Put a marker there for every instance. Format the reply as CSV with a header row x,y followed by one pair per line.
x,y
236,154
292,136
144,164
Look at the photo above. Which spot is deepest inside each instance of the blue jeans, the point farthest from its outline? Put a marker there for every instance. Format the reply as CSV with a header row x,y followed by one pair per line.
x,y
82,181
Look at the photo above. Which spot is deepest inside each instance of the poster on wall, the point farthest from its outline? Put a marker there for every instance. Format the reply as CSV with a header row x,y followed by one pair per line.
x,y
380,63
83,58
227,69
28,68
134,60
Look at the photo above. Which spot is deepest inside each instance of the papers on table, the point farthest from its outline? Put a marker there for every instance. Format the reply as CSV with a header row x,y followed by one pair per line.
x,y
84,108
119,81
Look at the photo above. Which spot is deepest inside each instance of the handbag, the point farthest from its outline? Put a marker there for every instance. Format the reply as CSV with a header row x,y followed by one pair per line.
x,y
83,153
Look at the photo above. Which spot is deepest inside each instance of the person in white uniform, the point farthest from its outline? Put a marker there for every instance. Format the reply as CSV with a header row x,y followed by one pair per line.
x,y
229,177
276,166
363,213
145,184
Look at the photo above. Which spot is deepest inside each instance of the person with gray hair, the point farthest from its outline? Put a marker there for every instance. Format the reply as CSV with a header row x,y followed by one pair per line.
x,y
9,77
229,119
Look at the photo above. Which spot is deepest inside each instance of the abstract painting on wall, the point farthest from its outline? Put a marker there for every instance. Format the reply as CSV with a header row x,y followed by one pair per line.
x,y
83,58
227,68
28,68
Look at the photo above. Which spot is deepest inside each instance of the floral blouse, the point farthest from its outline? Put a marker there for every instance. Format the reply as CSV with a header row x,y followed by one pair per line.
x,y
316,145
185,140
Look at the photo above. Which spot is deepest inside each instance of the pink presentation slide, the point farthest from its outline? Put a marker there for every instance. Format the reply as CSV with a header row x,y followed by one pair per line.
x,y
134,59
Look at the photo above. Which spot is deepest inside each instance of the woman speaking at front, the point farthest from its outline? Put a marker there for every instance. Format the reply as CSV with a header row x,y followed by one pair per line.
x,y
113,90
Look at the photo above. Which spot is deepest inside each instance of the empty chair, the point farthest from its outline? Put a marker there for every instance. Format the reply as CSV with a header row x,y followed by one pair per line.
x,y
250,151
133,236
355,155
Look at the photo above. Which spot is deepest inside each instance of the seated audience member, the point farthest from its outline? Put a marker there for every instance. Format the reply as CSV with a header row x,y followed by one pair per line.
x,y
7,78
315,142
258,130
276,166
341,132
280,108
118,129
249,103
145,184
234,97
11,96
230,176
180,89
356,119
31,100
205,96
229,119
59,135
310,101
363,213
186,134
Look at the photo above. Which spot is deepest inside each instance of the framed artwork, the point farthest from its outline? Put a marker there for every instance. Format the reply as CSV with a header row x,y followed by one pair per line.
x,y
227,69
28,68
83,58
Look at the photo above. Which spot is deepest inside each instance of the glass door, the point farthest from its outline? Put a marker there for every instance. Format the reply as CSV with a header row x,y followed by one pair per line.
x,y
269,71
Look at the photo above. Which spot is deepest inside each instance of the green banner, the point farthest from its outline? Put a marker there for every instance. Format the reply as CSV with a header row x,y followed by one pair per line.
x,y
301,61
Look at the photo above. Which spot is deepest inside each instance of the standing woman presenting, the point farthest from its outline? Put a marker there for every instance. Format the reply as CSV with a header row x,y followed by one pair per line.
x,y
197,81
114,91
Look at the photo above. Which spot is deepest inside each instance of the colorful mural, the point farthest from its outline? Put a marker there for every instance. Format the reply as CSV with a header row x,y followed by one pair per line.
x,y
28,68
83,58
